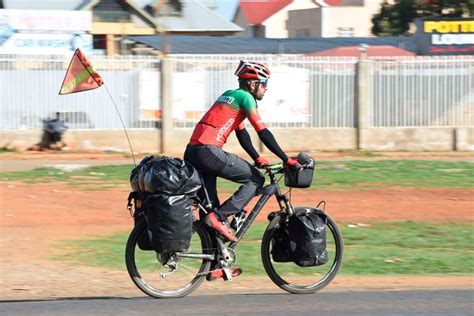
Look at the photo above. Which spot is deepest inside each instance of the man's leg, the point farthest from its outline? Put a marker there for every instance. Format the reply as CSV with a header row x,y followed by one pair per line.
x,y
212,160
210,182
238,170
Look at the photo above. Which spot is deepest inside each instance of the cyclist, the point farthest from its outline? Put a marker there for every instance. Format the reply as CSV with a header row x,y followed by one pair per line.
x,y
205,151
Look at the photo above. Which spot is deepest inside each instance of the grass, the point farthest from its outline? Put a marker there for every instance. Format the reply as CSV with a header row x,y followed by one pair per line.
x,y
405,248
394,173
4,150
330,175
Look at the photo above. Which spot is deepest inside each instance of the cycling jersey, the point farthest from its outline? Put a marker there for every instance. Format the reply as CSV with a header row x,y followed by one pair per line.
x,y
226,115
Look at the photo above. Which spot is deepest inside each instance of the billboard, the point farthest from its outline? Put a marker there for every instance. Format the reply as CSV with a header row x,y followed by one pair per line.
x,y
44,31
445,36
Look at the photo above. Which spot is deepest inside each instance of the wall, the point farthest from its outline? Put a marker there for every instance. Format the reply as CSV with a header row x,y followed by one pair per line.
x,y
371,139
276,25
364,134
143,140
358,18
305,20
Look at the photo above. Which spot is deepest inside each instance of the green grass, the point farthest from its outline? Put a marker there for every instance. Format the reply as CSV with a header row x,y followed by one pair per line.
x,y
394,173
4,150
409,248
330,175
96,177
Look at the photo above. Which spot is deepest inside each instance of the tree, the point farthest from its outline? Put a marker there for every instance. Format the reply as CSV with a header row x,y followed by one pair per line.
x,y
395,19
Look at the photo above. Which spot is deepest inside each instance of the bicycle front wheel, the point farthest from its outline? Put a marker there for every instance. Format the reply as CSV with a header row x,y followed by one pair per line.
x,y
155,279
303,280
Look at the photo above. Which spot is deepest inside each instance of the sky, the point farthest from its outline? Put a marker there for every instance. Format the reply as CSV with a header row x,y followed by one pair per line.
x,y
225,8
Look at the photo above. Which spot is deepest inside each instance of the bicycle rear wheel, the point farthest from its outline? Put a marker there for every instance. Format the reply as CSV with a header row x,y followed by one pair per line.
x,y
154,279
303,280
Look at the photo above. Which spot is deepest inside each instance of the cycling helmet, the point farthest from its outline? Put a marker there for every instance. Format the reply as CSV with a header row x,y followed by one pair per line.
x,y
252,70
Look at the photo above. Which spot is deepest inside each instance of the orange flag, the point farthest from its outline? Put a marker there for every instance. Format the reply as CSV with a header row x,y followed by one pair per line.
x,y
80,76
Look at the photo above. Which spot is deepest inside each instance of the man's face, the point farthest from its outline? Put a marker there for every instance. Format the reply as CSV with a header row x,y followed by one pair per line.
x,y
262,88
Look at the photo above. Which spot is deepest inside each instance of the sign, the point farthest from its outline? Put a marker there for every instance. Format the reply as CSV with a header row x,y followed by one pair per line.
x,y
44,31
445,36
29,43
41,20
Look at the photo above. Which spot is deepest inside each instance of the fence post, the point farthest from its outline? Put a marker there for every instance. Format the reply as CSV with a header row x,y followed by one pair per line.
x,y
362,110
166,107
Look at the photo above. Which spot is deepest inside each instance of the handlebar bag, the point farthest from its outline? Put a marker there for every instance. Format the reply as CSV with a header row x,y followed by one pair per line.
x,y
300,177
307,234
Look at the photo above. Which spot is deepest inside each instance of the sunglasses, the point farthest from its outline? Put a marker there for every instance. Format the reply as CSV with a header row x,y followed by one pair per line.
x,y
264,82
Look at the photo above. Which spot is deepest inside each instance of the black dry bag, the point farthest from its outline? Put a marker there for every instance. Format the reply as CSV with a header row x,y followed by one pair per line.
x,y
281,250
307,233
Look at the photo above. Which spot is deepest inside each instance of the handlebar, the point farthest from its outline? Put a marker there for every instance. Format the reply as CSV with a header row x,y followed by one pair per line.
x,y
280,167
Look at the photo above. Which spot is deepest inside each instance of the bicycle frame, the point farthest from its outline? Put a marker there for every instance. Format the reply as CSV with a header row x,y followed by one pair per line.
x,y
267,191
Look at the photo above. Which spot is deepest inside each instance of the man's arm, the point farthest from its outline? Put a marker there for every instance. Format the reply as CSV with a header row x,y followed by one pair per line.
x,y
269,141
266,136
246,142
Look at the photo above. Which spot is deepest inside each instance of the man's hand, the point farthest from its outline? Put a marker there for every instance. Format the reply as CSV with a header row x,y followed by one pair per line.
x,y
260,161
293,163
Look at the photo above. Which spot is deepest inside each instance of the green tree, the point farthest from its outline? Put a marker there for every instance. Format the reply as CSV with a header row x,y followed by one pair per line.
x,y
395,19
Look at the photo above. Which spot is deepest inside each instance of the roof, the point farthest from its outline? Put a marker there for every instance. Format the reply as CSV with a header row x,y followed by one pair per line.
x,y
40,5
256,12
333,3
240,45
372,51
195,17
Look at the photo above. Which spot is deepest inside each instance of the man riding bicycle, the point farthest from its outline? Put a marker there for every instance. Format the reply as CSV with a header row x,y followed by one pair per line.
x,y
205,151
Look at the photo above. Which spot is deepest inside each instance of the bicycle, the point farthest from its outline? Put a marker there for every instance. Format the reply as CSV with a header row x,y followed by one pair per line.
x,y
178,274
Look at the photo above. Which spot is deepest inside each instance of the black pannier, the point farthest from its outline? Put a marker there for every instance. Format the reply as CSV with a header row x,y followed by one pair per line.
x,y
281,250
170,185
169,222
138,213
307,234
301,239
300,177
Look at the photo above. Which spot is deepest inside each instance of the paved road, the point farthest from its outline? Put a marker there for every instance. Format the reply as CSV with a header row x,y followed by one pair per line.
x,y
436,302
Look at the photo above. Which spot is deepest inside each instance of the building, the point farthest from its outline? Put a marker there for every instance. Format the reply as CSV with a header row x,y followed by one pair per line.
x,y
102,26
306,18
114,20
267,18
334,18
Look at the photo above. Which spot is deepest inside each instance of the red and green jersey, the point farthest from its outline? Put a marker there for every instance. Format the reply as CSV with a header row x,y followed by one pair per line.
x,y
226,115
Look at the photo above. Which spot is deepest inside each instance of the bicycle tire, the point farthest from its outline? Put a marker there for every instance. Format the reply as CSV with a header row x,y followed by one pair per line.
x,y
289,283
150,282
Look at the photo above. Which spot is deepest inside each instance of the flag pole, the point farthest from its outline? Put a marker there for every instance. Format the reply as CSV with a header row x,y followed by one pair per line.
x,y
123,125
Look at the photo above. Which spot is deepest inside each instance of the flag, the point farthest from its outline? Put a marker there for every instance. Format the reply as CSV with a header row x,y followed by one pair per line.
x,y
80,76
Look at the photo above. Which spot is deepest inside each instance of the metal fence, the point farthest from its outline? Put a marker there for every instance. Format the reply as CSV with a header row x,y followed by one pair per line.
x,y
29,87
303,91
422,91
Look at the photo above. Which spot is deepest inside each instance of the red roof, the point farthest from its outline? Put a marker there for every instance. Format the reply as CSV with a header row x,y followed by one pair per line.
x,y
258,11
388,51
334,3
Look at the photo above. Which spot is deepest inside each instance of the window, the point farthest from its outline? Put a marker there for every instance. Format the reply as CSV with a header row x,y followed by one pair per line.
x,y
345,31
302,33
